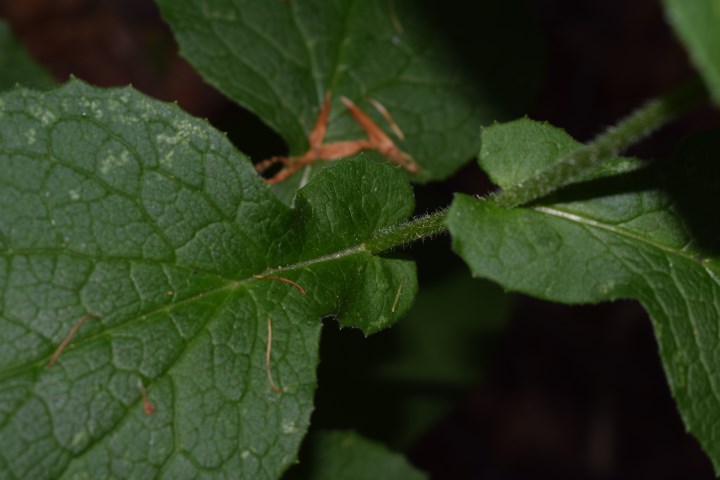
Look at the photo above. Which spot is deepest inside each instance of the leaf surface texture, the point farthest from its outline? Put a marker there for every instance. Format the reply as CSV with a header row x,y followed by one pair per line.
x,y
126,208
645,233
440,71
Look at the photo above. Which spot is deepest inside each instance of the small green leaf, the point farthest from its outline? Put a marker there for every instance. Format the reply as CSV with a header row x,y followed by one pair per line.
x,y
647,234
16,66
126,208
279,58
697,23
514,151
333,455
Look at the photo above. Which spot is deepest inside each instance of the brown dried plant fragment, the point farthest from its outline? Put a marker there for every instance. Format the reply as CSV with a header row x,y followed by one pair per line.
x,y
282,279
147,405
376,140
388,118
379,140
397,298
268,352
73,331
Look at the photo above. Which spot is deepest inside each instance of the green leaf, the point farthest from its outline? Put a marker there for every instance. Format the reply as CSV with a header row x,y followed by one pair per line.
x,y
16,66
647,234
126,208
441,70
514,151
333,455
697,23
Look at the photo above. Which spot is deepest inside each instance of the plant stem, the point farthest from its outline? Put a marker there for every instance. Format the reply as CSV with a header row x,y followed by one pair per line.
x,y
605,146
408,232
566,171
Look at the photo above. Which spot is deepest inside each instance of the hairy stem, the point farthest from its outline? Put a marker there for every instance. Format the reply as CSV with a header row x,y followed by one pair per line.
x,y
408,232
605,146
566,171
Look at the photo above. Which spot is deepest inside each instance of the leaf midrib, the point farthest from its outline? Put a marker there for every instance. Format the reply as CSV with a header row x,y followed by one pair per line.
x,y
230,284
589,222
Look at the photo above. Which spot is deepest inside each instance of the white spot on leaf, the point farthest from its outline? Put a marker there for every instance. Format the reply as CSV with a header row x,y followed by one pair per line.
x,y
46,117
30,136
289,427
78,438
113,161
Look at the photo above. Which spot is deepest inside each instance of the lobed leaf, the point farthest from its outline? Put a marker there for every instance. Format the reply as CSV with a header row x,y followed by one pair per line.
x,y
279,58
649,234
119,206
697,23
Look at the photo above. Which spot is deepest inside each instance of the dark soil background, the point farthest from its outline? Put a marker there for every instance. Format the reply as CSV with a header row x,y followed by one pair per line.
x,y
569,392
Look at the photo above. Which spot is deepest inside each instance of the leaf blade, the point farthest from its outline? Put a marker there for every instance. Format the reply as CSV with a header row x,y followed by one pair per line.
x,y
133,211
279,59
643,235
696,23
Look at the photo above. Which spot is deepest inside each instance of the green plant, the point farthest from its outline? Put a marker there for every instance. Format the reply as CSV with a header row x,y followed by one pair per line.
x,y
193,294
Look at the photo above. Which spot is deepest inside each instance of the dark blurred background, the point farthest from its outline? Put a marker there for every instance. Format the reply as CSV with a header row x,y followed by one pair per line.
x,y
556,392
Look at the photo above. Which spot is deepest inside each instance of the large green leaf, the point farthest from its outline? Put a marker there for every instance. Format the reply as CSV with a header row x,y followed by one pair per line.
x,y
441,70
333,455
119,206
649,234
16,66
697,23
